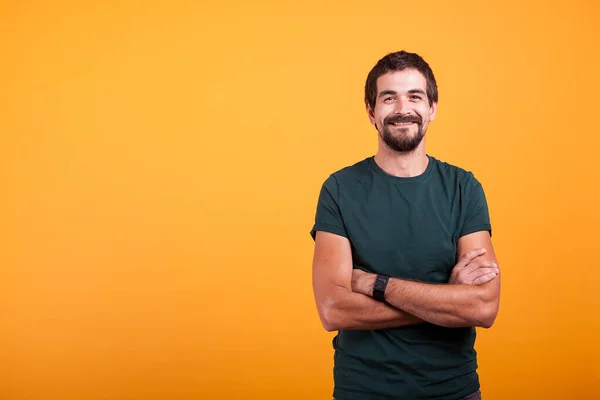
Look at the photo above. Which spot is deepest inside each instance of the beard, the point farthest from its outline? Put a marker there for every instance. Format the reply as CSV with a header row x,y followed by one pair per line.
x,y
402,142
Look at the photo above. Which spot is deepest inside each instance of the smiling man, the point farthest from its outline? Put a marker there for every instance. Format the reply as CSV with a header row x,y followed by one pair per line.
x,y
404,267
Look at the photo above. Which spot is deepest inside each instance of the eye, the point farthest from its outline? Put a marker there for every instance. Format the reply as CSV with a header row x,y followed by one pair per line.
x,y
388,99
416,97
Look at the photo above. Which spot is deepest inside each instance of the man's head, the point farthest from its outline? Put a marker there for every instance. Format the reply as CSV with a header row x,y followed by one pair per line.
x,y
401,99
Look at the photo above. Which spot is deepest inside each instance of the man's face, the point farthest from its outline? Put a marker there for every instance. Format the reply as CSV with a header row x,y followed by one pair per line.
x,y
402,111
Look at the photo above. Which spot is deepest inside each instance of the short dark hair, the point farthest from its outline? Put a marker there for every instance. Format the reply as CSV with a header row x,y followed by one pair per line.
x,y
399,61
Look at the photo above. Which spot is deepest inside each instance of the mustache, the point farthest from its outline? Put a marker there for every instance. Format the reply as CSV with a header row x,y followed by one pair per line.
x,y
395,119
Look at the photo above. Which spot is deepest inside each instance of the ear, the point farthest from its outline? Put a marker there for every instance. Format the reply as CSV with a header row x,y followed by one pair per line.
x,y
371,114
432,112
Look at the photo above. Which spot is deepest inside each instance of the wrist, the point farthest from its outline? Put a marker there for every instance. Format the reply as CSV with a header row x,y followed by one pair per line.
x,y
368,283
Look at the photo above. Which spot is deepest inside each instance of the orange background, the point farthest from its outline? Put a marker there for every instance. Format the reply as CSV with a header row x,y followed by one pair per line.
x,y
161,162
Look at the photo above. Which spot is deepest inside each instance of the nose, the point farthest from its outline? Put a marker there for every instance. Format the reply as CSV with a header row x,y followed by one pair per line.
x,y
402,106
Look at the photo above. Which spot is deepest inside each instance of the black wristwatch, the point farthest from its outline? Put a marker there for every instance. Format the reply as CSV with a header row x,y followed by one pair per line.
x,y
380,285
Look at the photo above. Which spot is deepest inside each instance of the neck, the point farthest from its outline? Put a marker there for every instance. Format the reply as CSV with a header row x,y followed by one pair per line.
x,y
404,165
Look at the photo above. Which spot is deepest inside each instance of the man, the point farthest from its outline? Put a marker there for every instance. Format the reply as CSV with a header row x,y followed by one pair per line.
x,y
404,267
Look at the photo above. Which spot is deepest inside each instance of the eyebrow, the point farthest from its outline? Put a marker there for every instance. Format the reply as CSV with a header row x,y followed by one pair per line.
x,y
393,92
387,92
412,91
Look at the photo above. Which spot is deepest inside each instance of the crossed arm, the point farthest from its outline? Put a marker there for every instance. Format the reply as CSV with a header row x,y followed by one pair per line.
x,y
343,294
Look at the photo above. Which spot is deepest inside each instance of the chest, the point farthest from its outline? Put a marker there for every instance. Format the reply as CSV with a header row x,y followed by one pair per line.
x,y
406,232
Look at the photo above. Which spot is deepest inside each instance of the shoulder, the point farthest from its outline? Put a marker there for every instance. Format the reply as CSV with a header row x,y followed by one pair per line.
x,y
352,173
454,174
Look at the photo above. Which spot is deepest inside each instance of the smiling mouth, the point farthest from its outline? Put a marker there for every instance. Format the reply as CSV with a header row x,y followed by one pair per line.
x,y
402,123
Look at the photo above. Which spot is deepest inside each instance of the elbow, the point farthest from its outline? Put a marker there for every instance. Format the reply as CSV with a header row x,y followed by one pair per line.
x,y
486,307
329,315
330,326
486,315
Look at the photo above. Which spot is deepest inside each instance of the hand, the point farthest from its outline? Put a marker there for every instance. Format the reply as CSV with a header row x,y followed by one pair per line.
x,y
473,269
363,282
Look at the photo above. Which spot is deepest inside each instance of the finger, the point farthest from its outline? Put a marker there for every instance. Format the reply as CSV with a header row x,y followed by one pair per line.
x,y
484,279
475,263
469,273
480,264
469,256
481,272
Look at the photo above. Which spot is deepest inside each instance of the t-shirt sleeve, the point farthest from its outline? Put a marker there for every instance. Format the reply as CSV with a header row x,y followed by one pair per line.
x,y
328,217
476,213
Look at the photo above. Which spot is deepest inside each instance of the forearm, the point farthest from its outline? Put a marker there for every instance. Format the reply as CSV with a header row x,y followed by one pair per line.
x,y
344,309
444,304
440,304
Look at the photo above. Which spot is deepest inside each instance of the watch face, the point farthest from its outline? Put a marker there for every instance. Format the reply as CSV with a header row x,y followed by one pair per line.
x,y
379,287
380,281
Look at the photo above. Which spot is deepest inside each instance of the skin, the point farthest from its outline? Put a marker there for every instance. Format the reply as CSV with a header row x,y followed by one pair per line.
x,y
344,295
450,305
402,94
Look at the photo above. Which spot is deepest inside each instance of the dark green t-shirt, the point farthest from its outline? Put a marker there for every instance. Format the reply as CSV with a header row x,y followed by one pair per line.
x,y
407,228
